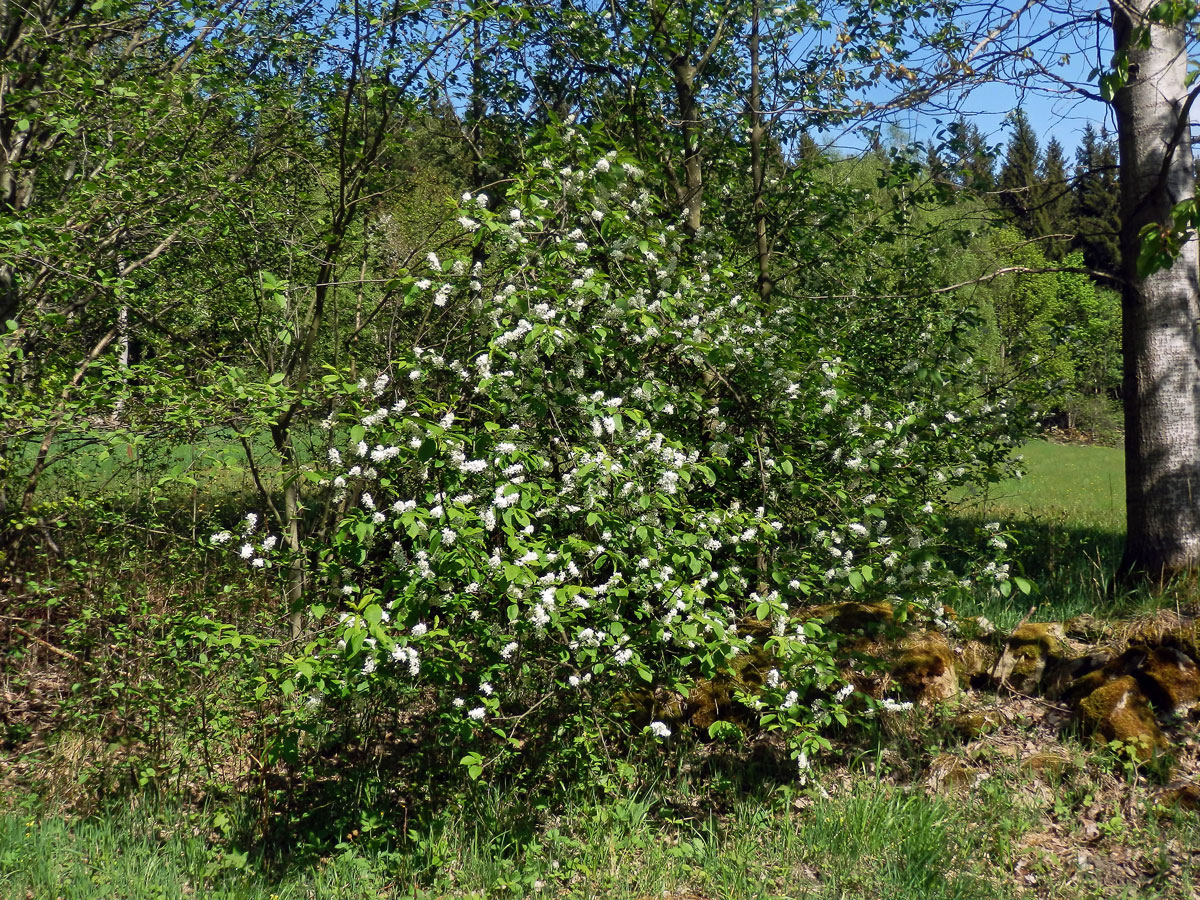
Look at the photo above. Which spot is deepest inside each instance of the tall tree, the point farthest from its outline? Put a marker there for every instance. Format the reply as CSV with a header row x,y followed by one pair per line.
x,y
1160,308
972,159
1018,182
1052,210
1095,201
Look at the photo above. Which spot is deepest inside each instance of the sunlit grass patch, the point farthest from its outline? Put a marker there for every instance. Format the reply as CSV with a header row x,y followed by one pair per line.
x,y
1068,517
1080,486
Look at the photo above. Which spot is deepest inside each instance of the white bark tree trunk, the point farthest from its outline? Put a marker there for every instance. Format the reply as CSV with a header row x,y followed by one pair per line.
x,y
1160,312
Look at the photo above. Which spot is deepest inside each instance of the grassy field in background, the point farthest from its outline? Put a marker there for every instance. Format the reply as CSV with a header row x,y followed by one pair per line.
x,y
1074,484
1067,518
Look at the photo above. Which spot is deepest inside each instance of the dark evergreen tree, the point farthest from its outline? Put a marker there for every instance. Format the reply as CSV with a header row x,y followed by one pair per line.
x,y
935,163
1096,200
808,150
969,157
1052,213
1019,182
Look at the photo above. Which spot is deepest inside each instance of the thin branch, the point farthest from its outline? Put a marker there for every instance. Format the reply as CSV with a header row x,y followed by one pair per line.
x,y
37,640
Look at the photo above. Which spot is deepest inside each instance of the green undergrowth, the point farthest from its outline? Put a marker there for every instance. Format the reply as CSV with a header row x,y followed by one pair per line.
x,y
847,834
872,841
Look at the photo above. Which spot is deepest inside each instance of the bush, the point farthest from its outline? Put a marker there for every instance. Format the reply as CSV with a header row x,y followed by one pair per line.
x,y
578,483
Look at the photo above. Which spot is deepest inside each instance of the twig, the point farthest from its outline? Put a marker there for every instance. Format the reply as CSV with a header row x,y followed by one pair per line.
x,y
1045,703
33,637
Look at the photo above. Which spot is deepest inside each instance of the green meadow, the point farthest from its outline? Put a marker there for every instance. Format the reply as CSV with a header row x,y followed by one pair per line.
x,y
1071,484
1066,516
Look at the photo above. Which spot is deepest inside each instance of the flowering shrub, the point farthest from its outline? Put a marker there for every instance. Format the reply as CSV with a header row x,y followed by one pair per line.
x,y
606,464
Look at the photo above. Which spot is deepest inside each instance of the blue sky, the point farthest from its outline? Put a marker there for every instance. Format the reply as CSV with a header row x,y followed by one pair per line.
x,y
1069,58
987,107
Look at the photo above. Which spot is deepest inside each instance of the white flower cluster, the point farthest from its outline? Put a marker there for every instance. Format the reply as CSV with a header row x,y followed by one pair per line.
x,y
254,550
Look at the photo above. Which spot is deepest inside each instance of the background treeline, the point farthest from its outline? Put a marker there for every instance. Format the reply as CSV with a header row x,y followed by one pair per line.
x,y
1050,213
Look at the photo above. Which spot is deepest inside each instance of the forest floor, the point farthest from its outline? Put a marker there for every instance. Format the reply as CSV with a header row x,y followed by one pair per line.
x,y
1024,805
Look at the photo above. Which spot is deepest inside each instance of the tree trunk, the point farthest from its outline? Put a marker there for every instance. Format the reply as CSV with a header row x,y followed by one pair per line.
x,y
1161,311
689,125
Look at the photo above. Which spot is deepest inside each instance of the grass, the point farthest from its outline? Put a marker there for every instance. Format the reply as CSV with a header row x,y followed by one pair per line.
x,y
1080,485
1067,518
864,837
136,855
877,841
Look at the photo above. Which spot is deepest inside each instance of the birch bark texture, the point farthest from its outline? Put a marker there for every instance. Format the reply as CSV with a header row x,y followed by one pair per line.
x,y
1161,311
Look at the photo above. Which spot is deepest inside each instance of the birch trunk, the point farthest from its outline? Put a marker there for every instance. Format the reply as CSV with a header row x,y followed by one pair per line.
x,y
1161,311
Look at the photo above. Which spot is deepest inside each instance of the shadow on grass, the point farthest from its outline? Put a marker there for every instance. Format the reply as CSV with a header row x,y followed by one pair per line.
x,y
1072,566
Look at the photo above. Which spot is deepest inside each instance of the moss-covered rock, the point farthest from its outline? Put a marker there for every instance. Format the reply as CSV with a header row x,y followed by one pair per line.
x,y
1027,653
926,670
1047,765
1087,628
978,722
852,617
712,700
1171,679
1118,711
1179,795
1078,676
1169,630
644,705
1088,683
974,660
947,774
716,699
1186,638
